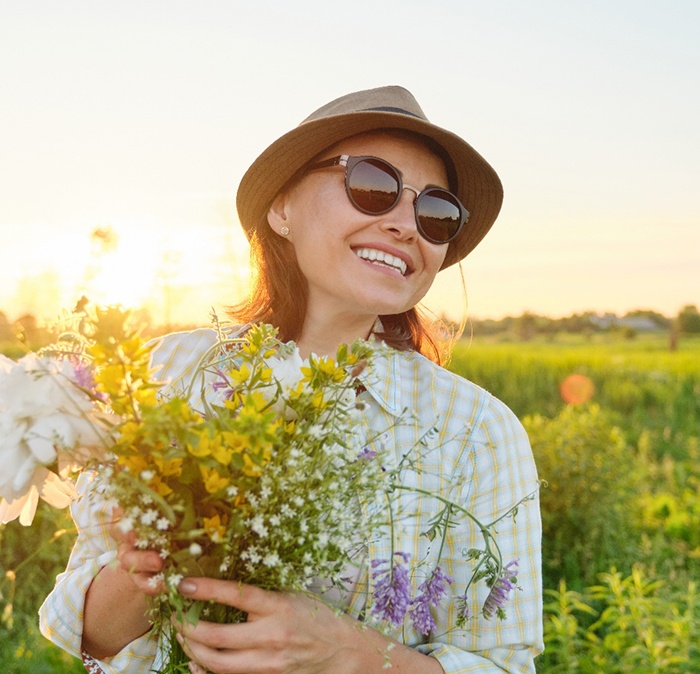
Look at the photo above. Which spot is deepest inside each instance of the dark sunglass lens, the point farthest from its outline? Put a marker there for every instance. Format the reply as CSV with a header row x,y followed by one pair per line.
x,y
373,186
439,215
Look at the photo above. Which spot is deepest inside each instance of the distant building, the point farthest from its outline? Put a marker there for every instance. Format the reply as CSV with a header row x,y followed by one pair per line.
x,y
636,323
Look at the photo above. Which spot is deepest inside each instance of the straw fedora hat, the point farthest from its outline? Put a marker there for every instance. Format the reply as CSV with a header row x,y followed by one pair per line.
x,y
476,184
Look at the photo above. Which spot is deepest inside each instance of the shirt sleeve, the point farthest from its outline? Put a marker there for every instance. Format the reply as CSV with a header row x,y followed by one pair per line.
x,y
502,468
61,614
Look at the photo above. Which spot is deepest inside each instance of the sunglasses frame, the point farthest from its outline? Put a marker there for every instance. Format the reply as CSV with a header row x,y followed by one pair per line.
x,y
350,162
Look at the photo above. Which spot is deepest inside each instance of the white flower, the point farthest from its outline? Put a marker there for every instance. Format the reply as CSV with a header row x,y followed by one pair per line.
x,y
271,560
163,524
45,419
125,524
149,517
195,549
154,581
175,580
258,526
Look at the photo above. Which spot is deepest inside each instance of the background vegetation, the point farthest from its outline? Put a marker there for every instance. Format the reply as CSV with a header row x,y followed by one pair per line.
x,y
621,510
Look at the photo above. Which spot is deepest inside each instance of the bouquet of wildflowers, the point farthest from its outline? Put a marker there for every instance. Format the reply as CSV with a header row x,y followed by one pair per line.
x,y
264,485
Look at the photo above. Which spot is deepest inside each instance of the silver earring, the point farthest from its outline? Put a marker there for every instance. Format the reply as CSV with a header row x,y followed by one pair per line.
x,y
284,231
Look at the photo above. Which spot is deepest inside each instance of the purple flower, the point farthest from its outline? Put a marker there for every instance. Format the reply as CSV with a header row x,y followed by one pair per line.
x,y
500,590
85,379
392,590
221,383
367,454
432,591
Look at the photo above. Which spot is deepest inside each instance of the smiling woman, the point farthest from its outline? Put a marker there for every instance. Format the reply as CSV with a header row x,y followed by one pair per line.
x,y
342,256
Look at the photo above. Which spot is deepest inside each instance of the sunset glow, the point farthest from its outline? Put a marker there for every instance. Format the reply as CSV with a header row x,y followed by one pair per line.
x,y
588,112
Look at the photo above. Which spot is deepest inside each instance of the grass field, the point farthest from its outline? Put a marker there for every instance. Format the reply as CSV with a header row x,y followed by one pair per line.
x,y
621,512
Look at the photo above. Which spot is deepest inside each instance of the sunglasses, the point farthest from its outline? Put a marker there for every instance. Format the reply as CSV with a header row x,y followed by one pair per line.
x,y
374,187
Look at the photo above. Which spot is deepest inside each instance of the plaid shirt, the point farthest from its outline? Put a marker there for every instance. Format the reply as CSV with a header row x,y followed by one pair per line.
x,y
477,455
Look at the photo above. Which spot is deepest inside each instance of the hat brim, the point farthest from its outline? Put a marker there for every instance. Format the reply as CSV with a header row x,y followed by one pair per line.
x,y
478,186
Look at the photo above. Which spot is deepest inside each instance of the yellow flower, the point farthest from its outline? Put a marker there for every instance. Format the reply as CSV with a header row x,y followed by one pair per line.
x,y
241,375
214,528
146,397
221,452
129,431
134,464
202,447
235,441
318,401
168,467
111,380
250,468
159,486
213,481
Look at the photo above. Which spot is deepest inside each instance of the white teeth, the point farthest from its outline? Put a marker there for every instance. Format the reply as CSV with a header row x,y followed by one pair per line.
x,y
379,256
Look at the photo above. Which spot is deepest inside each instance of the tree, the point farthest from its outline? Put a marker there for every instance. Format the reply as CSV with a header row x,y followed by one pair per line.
x,y
689,320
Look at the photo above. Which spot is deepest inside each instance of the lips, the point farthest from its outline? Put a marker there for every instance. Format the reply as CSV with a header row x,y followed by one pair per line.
x,y
379,257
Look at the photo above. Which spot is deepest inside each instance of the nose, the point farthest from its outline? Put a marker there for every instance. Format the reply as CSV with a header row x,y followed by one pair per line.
x,y
401,220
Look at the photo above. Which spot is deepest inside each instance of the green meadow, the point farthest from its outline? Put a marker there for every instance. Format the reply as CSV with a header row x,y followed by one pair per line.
x,y
620,505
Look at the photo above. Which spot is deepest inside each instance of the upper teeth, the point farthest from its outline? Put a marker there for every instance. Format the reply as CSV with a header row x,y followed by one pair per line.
x,y
380,256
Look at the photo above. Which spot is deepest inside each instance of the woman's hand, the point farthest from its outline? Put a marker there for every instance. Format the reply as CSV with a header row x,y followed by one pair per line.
x,y
141,565
116,605
286,633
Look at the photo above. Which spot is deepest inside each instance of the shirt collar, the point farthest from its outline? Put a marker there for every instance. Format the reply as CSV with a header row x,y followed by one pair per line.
x,y
383,378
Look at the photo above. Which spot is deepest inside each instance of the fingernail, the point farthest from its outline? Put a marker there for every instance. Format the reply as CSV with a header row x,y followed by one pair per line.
x,y
187,587
195,668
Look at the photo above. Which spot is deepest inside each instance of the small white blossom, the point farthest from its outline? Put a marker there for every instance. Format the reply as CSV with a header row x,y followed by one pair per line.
x,y
195,549
163,524
125,524
175,580
149,517
258,526
271,560
155,580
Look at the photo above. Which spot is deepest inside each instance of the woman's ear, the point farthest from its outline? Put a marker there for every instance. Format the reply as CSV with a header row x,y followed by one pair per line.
x,y
277,215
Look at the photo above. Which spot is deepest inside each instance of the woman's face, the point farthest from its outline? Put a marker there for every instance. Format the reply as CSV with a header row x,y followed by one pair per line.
x,y
333,240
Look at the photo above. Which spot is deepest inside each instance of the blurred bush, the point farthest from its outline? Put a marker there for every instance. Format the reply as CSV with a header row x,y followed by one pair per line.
x,y
588,512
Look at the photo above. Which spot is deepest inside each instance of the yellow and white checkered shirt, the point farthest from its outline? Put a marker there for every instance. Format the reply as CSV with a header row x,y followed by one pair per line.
x,y
476,454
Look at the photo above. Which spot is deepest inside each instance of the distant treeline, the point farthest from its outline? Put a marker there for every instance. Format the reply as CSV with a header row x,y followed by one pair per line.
x,y
26,332
528,325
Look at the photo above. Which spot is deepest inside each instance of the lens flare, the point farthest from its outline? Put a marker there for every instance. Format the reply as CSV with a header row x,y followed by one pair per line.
x,y
577,389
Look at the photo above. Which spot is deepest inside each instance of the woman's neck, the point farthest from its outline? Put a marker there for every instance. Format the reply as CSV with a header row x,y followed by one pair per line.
x,y
322,336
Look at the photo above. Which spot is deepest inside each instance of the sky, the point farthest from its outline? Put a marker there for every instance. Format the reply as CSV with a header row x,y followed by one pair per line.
x,y
126,126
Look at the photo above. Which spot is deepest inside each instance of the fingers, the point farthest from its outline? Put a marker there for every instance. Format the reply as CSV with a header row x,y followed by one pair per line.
x,y
141,565
227,661
248,598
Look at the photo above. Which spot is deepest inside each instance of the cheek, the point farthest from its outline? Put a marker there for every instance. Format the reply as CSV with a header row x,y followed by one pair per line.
x,y
434,256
